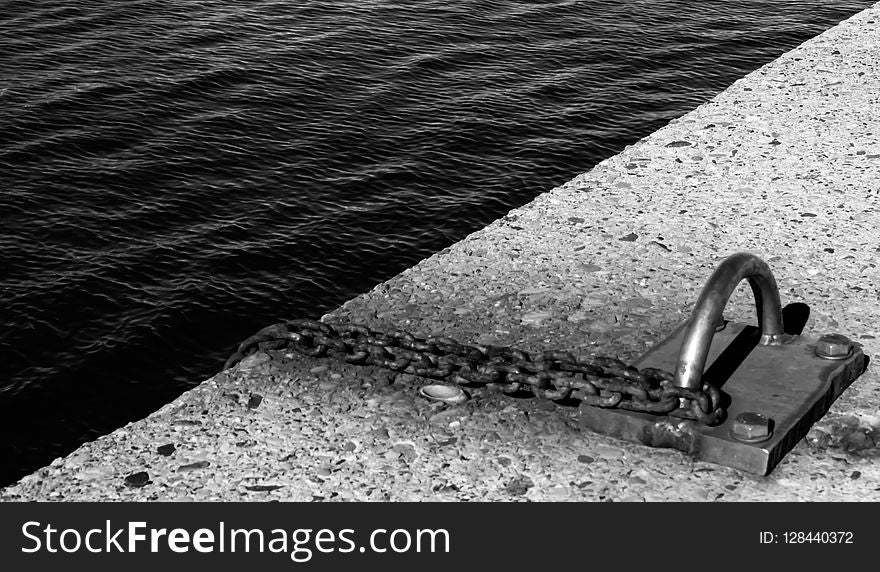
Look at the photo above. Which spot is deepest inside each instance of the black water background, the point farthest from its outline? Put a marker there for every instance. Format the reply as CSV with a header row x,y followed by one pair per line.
x,y
176,175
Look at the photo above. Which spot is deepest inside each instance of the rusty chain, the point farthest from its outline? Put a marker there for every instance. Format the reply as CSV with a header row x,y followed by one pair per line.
x,y
597,381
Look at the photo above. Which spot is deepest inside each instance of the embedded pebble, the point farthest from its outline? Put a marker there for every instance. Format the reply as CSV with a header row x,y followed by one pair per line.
x,y
263,488
519,485
607,452
193,466
138,479
535,318
559,492
165,450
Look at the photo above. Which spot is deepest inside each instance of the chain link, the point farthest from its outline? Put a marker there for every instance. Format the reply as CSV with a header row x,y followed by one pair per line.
x,y
597,381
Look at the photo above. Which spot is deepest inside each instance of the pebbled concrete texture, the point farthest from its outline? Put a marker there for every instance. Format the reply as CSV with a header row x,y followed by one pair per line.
x,y
784,164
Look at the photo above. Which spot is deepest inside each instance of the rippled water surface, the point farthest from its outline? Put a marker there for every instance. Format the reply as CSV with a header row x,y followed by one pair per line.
x,y
177,175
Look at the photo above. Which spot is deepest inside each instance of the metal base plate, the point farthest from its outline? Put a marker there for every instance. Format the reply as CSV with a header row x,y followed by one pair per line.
x,y
787,383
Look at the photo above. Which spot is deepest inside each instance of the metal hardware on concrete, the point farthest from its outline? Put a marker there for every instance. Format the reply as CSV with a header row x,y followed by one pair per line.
x,y
445,393
834,347
751,427
597,381
755,369
791,380
710,305
786,382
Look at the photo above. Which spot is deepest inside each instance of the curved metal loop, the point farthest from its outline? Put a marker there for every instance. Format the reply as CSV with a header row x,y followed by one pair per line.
x,y
709,308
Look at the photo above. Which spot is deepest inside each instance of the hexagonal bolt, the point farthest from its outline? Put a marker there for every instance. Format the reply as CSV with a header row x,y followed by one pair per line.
x,y
751,427
834,346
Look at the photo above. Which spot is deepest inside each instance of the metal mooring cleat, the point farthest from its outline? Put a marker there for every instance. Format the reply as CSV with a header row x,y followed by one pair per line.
x,y
774,384
757,398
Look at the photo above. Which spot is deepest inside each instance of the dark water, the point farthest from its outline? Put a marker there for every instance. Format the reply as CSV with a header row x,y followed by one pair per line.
x,y
177,175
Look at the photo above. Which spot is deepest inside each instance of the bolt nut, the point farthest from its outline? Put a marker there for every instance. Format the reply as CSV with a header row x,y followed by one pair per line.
x,y
834,346
751,427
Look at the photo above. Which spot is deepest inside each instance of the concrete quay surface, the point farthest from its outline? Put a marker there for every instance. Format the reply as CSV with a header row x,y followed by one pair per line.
x,y
784,164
